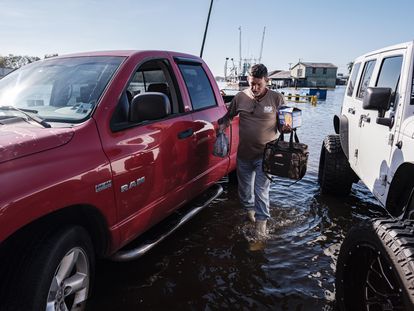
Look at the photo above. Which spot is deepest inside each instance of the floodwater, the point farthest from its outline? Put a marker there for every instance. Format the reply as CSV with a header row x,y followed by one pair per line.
x,y
209,264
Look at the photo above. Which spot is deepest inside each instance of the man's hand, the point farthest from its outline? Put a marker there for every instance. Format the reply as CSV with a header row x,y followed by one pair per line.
x,y
286,128
222,127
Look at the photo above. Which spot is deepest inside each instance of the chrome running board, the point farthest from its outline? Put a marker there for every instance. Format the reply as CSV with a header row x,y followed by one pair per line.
x,y
157,234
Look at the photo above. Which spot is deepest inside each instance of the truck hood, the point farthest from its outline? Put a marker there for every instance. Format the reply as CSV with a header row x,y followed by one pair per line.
x,y
22,139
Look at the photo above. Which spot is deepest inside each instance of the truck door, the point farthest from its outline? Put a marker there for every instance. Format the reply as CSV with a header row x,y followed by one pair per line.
x,y
149,159
206,110
376,140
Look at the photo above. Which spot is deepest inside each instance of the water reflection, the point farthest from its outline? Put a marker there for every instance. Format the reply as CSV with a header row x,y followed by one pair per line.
x,y
209,264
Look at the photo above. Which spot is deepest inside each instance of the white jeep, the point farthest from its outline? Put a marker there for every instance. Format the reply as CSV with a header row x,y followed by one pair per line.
x,y
375,144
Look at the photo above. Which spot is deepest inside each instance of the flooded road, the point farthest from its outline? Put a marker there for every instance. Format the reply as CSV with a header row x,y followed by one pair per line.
x,y
210,265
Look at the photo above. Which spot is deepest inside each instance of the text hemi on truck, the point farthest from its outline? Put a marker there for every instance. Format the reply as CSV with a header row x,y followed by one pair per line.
x,y
96,149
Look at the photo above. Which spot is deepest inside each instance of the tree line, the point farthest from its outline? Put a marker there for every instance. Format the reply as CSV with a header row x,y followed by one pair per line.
x,y
17,61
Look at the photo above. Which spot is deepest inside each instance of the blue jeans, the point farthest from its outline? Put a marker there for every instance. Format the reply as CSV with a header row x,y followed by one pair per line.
x,y
253,187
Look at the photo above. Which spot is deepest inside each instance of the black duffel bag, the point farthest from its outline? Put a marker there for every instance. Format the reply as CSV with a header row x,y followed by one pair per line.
x,y
286,159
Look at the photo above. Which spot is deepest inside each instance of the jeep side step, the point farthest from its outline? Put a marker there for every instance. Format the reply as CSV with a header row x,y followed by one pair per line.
x,y
159,232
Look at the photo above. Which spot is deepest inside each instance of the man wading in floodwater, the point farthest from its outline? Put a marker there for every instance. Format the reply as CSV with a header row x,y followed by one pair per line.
x,y
257,107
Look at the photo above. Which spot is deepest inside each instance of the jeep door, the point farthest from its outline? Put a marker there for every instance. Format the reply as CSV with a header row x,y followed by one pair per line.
x,y
376,140
349,129
149,158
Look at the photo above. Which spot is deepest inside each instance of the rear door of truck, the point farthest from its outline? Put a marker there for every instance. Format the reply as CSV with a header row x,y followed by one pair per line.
x,y
202,94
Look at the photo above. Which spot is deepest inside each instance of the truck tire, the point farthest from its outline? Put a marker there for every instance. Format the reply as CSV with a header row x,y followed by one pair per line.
x,y
335,175
55,273
375,268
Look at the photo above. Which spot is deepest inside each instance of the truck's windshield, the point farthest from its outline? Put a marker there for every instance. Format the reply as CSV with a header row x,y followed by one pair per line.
x,y
61,89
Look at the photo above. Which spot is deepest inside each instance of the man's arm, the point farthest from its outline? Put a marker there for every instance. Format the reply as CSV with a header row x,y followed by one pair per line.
x,y
224,121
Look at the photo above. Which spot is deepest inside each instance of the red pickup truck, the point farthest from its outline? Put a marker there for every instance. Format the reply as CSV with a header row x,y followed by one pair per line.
x,y
96,149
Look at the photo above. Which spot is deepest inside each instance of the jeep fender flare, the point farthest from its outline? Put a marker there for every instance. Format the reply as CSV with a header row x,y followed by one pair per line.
x,y
336,124
341,126
400,188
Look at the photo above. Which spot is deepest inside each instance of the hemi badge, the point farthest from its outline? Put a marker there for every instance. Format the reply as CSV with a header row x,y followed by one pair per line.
x,y
103,186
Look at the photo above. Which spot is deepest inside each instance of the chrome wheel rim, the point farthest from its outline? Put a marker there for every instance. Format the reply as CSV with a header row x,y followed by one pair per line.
x,y
70,284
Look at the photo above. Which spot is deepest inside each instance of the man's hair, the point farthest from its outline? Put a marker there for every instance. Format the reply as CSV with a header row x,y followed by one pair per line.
x,y
258,71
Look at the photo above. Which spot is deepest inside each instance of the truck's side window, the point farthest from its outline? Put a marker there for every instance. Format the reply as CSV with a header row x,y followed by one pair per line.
x,y
152,76
198,85
351,84
389,74
366,78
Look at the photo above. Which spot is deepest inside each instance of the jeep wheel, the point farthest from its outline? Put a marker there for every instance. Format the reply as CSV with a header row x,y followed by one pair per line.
x,y
55,274
335,176
375,268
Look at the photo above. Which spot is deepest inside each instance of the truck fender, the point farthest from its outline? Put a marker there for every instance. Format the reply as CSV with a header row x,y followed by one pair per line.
x,y
400,188
341,125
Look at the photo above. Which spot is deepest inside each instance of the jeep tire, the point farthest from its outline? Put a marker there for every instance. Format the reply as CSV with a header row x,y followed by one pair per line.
x,y
335,175
375,267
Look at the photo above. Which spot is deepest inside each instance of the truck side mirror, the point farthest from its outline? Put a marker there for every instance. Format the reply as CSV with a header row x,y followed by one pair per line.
x,y
377,98
149,106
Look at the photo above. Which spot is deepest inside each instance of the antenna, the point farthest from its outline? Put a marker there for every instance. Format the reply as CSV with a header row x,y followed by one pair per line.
x,y
261,46
205,31
240,57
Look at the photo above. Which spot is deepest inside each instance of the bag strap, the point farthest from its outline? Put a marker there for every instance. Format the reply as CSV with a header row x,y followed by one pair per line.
x,y
273,180
292,135
296,137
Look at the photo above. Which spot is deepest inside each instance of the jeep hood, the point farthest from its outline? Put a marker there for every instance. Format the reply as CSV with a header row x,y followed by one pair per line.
x,y
22,139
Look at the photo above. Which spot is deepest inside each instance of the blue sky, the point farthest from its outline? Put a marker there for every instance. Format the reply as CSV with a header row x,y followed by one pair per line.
x,y
313,31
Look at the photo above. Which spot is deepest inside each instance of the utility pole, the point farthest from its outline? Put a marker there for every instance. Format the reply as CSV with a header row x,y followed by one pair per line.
x,y
225,69
240,57
261,46
205,31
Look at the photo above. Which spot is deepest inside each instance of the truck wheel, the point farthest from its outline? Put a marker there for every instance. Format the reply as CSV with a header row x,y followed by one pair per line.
x,y
55,274
335,176
375,268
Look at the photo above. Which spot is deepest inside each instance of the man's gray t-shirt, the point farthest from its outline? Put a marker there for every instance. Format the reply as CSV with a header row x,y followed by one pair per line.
x,y
258,121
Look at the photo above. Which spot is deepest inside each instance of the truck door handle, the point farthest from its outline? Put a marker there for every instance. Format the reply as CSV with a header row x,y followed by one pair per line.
x,y
351,110
185,134
364,118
